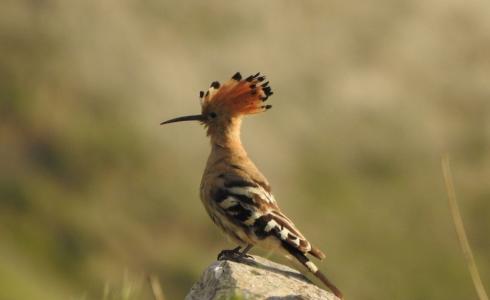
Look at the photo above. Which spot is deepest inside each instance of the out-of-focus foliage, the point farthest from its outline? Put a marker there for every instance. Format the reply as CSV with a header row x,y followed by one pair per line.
x,y
95,195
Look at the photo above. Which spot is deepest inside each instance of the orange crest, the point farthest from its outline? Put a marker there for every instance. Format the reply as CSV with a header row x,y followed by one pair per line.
x,y
238,96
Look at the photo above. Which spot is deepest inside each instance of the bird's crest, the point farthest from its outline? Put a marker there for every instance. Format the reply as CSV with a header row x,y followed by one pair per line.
x,y
238,96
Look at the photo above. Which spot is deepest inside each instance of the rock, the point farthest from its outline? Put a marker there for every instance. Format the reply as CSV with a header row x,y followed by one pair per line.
x,y
255,279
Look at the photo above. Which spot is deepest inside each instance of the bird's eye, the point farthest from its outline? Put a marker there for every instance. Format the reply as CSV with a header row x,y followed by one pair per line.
x,y
212,115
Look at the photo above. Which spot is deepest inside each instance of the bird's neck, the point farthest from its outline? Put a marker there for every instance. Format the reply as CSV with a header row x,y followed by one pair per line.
x,y
226,142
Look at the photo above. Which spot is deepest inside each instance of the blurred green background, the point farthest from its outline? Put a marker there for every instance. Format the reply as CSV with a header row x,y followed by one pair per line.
x,y
95,195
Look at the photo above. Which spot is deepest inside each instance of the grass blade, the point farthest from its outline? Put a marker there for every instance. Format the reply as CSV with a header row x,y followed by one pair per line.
x,y
460,231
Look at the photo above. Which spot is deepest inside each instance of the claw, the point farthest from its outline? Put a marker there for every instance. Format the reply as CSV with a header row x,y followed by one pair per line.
x,y
243,255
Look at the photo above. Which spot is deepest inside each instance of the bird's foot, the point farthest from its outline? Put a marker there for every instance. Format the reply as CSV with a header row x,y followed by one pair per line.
x,y
229,254
246,256
233,254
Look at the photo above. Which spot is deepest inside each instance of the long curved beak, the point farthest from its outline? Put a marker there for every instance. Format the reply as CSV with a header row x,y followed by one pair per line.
x,y
184,118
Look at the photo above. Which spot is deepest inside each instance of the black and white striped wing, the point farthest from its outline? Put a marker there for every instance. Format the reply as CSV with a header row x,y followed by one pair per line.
x,y
277,224
244,201
251,205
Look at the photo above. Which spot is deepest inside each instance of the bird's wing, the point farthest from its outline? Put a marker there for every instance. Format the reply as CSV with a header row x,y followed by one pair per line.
x,y
248,203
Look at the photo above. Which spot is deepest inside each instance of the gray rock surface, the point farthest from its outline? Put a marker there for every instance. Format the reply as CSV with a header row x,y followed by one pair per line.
x,y
255,279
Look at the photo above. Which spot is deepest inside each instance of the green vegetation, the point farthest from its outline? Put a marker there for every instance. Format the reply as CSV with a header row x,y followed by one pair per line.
x,y
95,195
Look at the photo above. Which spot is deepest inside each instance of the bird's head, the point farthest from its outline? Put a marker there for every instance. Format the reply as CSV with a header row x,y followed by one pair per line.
x,y
223,105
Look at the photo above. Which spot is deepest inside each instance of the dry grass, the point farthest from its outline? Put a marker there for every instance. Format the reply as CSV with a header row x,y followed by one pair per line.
x,y
156,288
460,230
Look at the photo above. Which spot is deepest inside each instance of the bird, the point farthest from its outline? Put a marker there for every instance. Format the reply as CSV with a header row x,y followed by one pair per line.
x,y
235,194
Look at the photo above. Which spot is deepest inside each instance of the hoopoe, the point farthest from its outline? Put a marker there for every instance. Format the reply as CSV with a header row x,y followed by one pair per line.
x,y
234,192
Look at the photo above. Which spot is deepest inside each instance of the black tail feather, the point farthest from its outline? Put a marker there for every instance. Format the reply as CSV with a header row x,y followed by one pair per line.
x,y
301,257
329,284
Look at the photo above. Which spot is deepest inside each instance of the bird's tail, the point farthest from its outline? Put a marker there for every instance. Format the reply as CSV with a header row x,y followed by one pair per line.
x,y
317,252
301,257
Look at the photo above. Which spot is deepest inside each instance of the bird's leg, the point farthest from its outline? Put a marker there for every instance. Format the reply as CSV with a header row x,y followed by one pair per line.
x,y
235,253
244,254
